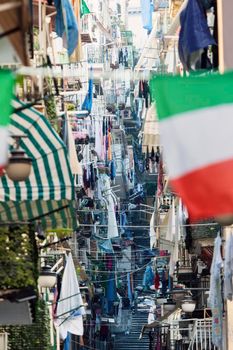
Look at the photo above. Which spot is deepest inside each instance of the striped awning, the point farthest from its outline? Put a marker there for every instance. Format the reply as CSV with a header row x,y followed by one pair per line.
x,y
48,194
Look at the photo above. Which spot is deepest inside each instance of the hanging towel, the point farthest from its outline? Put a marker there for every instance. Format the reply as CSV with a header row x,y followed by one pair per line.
x,y
66,22
70,304
215,296
228,268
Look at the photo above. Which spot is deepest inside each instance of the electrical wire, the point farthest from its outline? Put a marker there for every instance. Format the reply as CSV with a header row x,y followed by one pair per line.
x,y
122,276
147,226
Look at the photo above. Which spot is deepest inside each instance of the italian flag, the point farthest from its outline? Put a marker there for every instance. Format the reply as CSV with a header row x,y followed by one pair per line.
x,y
6,94
196,126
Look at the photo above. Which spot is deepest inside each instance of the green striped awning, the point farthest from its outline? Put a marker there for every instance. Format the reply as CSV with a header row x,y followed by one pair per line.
x,y
48,194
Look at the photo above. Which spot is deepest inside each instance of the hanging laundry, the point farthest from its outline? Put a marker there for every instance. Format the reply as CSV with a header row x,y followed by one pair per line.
x,y
215,295
144,91
109,146
126,57
121,57
99,139
106,246
86,179
153,236
87,103
70,304
195,34
129,290
147,10
164,281
147,159
160,178
148,278
66,23
171,229
109,262
157,280
112,169
228,268
152,155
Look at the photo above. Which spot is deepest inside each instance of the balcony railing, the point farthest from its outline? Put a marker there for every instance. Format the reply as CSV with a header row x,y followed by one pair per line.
x,y
202,334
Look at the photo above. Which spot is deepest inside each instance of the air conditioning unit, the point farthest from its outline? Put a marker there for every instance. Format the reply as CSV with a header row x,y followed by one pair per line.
x,y
3,341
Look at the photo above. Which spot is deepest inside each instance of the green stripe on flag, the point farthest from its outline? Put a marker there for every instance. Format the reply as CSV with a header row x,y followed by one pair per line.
x,y
84,10
7,83
176,95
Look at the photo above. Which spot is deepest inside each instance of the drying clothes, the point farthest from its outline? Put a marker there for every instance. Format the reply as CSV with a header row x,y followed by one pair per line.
x,y
92,177
109,146
148,278
156,280
228,268
99,139
121,57
153,236
87,103
125,57
195,34
129,287
112,169
66,23
147,159
215,297
109,262
171,229
86,180
164,282
144,91
152,155
147,9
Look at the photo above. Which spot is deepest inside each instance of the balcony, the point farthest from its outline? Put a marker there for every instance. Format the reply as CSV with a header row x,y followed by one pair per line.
x,y
87,31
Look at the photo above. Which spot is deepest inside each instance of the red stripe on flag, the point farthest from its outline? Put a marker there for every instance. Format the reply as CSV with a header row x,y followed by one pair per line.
x,y
207,192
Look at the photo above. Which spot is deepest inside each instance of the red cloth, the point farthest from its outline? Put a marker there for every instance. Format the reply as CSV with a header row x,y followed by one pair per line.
x,y
156,281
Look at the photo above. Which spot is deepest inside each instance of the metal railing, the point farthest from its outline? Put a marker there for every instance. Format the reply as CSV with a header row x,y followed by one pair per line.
x,y
202,334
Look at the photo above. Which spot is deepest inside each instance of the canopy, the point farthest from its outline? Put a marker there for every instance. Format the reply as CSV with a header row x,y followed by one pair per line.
x,y
48,194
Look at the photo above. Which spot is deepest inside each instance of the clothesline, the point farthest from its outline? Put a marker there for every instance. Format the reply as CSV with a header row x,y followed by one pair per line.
x,y
148,226
48,72
124,274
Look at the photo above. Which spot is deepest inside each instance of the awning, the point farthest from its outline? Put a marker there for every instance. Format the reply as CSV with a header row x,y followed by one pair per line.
x,y
48,194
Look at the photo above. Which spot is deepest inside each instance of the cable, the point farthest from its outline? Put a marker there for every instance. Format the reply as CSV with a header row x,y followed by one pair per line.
x,y
147,226
113,279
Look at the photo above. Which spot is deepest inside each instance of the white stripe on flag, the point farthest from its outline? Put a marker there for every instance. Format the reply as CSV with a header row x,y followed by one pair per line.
x,y
193,140
3,146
